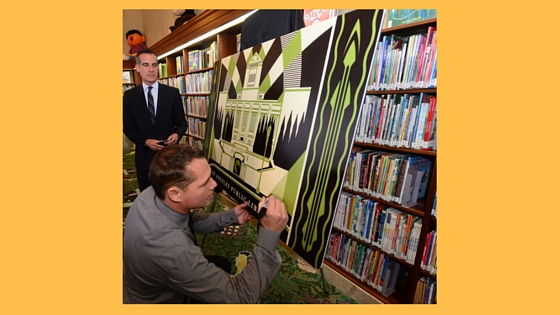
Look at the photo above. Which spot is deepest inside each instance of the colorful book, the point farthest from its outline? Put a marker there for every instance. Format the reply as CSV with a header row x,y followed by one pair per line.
x,y
391,276
406,238
162,70
406,142
428,141
411,178
194,60
431,61
413,241
420,128
127,77
406,16
179,64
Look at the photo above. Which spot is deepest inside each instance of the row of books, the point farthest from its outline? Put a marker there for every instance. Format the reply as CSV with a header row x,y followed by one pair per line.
x,y
398,178
196,127
192,83
425,291
197,59
399,120
371,266
178,82
398,17
429,256
193,142
403,63
128,76
395,232
202,58
195,105
128,86
199,83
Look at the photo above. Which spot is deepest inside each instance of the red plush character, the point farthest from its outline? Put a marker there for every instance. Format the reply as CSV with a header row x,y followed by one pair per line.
x,y
136,42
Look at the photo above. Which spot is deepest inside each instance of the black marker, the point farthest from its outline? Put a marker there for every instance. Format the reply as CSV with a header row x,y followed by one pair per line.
x,y
262,211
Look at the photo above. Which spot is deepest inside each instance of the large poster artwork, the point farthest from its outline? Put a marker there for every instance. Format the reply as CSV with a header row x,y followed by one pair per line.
x,y
282,119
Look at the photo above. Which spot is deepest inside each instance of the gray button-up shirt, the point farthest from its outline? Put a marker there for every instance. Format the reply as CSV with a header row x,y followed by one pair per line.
x,y
163,265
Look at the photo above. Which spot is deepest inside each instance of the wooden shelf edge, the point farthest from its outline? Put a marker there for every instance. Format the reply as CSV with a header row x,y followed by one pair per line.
x,y
413,25
398,149
129,64
194,136
196,116
427,274
197,26
410,91
362,285
399,260
195,94
413,211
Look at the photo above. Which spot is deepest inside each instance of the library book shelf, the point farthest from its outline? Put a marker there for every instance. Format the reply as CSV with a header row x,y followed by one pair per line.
x,y
384,235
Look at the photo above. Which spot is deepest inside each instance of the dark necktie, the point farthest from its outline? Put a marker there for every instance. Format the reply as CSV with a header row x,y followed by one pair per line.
x,y
191,226
151,107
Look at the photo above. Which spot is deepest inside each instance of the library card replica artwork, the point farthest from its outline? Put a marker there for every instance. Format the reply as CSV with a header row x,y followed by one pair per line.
x,y
282,119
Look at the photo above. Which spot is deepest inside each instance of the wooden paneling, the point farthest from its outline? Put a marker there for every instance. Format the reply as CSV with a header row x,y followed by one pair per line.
x,y
197,26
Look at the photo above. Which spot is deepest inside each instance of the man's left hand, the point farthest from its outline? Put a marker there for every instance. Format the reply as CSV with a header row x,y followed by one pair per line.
x,y
172,139
242,215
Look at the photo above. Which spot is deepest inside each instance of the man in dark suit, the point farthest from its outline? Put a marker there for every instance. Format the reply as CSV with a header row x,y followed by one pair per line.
x,y
153,115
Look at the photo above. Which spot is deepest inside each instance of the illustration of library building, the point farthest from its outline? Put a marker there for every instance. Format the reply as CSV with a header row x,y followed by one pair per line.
x,y
250,129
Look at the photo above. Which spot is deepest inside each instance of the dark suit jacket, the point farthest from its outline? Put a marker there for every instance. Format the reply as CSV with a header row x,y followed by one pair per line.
x,y
137,126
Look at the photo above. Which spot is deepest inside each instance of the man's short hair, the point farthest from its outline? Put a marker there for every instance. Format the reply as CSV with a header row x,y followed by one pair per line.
x,y
170,167
143,51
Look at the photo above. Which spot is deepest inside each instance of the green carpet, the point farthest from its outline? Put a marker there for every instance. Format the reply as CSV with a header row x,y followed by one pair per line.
x,y
295,283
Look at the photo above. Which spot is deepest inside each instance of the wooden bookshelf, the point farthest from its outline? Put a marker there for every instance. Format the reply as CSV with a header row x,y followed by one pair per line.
x,y
128,66
409,273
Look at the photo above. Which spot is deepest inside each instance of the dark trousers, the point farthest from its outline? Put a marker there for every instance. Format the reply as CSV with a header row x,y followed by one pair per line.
x,y
220,262
142,161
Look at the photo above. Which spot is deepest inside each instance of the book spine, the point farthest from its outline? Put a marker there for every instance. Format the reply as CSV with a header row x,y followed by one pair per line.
x,y
425,252
420,130
416,60
397,125
382,118
417,120
433,257
390,120
380,226
408,60
430,126
415,100
433,76
406,238
430,62
383,62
